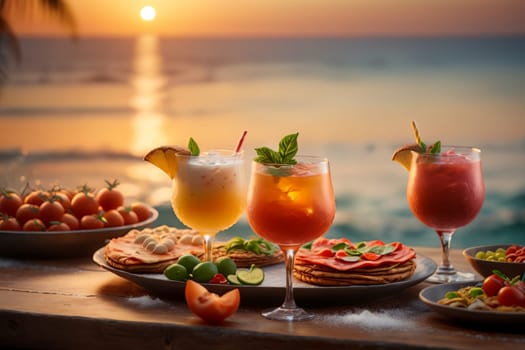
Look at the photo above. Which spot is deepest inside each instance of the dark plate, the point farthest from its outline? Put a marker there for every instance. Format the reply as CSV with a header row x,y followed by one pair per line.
x,y
273,284
61,244
431,295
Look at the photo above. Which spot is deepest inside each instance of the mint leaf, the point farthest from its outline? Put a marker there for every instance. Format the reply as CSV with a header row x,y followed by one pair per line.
x,y
287,150
193,147
436,148
266,155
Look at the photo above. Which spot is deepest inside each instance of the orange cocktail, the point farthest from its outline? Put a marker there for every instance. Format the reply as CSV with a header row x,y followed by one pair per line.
x,y
289,205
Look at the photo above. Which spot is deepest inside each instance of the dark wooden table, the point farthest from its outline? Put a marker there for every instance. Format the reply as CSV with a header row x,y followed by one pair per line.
x,y
74,304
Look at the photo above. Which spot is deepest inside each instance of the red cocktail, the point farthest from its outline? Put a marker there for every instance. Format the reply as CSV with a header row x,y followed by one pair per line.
x,y
446,191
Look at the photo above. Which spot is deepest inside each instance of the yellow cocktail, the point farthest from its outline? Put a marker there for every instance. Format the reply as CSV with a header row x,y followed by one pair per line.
x,y
209,192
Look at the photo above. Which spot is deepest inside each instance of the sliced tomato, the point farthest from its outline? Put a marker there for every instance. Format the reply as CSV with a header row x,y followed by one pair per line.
x,y
370,256
211,307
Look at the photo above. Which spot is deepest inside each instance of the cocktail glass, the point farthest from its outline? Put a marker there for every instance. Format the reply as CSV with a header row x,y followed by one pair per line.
x,y
445,191
209,192
291,205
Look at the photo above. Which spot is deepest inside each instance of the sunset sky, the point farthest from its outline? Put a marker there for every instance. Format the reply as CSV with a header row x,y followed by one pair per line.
x,y
285,18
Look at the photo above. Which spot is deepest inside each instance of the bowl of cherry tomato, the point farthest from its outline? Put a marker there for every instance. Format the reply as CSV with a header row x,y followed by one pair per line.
x,y
507,258
60,222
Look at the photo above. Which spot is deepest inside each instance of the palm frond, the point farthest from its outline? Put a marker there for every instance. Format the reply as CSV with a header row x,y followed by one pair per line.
x,y
59,9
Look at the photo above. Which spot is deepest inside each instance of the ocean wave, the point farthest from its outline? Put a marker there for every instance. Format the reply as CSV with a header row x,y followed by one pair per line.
x,y
64,111
17,154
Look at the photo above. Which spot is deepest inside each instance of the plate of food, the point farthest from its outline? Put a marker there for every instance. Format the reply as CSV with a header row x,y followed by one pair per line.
x,y
128,258
59,223
467,302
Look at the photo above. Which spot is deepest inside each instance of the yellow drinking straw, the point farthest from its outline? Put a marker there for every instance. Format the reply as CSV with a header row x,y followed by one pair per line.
x,y
416,132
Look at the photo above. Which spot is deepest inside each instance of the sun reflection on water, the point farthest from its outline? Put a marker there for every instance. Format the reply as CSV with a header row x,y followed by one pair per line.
x,y
148,83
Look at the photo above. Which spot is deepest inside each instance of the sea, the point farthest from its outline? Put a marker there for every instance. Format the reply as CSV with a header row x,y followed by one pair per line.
x,y
75,112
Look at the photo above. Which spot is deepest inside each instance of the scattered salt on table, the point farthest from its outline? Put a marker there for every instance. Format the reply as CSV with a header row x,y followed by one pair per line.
x,y
372,320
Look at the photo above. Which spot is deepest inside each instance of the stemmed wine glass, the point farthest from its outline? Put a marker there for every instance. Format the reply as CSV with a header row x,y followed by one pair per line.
x,y
209,192
290,205
445,191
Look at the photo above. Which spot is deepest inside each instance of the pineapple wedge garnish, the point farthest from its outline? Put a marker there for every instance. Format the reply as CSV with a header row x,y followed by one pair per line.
x,y
403,155
165,158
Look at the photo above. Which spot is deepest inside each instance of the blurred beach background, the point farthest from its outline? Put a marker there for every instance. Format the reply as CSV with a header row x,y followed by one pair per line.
x,y
78,112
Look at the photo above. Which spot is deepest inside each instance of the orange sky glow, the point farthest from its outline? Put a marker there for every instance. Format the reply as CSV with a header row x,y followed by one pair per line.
x,y
285,18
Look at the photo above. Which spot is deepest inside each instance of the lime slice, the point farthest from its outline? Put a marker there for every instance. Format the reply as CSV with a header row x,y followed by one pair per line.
x,y
232,279
253,276
204,271
226,265
189,262
176,272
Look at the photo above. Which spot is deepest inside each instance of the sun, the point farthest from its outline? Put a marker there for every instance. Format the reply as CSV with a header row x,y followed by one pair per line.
x,y
147,13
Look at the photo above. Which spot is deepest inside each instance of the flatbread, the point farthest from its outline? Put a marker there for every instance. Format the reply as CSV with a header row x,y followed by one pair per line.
x,y
321,264
315,274
152,250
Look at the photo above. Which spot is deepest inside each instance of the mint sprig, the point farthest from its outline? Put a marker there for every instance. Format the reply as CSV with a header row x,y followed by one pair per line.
x,y
288,148
433,149
193,147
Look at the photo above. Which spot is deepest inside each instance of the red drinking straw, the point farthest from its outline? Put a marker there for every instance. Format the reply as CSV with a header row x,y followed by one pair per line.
x,y
241,140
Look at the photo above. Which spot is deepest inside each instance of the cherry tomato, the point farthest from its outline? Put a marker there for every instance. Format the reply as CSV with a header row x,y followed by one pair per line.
x,y
128,214
141,210
63,199
34,225
93,221
109,197
58,226
113,218
26,212
492,284
71,220
8,223
208,306
50,210
84,203
36,197
9,202
219,278
511,296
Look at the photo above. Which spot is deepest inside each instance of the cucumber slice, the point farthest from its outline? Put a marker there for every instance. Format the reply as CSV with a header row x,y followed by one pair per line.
x,y
254,276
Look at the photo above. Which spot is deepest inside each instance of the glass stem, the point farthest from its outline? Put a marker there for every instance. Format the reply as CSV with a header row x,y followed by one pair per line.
x,y
289,300
446,267
208,243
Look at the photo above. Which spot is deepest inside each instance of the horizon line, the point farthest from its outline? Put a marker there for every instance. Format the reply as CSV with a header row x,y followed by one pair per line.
x,y
279,36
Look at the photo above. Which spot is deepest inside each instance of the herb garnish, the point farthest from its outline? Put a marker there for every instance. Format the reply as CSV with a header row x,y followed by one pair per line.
x,y
433,149
360,251
287,150
257,246
193,147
